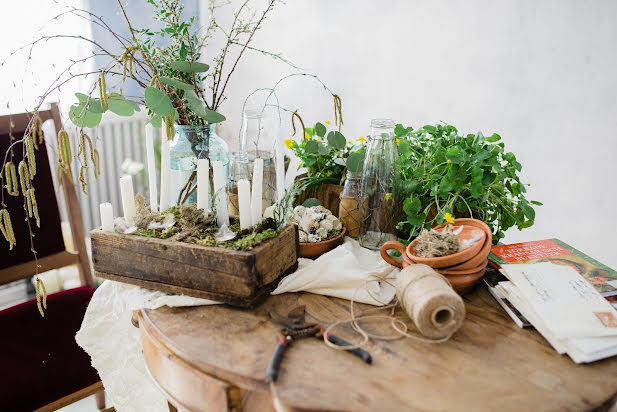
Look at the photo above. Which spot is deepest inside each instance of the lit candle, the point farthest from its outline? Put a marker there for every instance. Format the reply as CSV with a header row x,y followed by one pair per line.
x,y
256,198
165,174
222,214
203,184
151,169
280,171
244,203
128,198
107,217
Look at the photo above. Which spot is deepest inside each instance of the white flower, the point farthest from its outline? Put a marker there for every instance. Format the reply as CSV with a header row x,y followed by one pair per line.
x,y
303,236
336,224
331,218
299,210
269,212
314,238
326,224
323,233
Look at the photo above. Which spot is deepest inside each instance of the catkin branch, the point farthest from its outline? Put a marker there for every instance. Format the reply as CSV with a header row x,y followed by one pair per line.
x,y
10,173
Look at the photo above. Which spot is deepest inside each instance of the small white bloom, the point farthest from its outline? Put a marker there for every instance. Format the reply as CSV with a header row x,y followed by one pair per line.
x,y
326,224
299,210
303,236
331,218
314,238
323,233
321,209
269,212
336,224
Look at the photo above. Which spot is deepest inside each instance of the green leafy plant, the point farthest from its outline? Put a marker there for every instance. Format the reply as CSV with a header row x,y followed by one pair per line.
x,y
444,172
327,154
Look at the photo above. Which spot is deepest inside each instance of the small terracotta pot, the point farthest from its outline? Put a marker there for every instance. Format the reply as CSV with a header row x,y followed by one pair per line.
x,y
314,250
482,255
462,272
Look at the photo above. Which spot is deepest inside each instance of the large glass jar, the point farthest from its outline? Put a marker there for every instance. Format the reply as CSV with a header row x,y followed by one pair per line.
x,y
377,186
189,144
257,140
349,207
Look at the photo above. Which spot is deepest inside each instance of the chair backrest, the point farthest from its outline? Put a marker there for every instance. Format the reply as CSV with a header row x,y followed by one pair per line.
x,y
48,242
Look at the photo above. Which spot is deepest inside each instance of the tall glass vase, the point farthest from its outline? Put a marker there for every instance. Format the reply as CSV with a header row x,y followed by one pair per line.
x,y
377,186
239,171
189,144
257,141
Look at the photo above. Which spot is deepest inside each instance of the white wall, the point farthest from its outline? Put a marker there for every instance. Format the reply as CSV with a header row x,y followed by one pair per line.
x,y
543,74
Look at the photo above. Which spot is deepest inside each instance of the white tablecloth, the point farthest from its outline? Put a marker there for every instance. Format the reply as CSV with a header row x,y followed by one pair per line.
x,y
114,345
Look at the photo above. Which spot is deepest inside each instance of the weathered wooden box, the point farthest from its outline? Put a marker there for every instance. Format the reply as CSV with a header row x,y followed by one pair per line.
x,y
239,278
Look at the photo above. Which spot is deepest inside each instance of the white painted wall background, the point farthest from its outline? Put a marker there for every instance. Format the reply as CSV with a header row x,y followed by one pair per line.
x,y
543,74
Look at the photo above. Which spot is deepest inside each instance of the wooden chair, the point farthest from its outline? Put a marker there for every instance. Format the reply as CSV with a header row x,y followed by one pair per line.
x,y
43,367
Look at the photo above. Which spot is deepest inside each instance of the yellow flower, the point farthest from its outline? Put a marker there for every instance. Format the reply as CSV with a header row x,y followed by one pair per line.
x,y
398,141
361,139
327,122
306,135
289,143
388,197
448,218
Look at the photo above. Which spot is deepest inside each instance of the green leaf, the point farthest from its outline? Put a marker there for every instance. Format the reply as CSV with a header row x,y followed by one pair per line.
x,y
310,131
323,149
158,101
339,161
476,189
355,161
404,147
197,106
81,117
120,107
494,138
528,210
412,206
535,202
189,67
320,129
399,130
134,105
156,121
176,83
417,220
310,202
337,140
311,147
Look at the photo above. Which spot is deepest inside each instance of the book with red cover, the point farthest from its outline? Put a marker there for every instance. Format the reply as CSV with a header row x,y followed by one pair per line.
x,y
603,278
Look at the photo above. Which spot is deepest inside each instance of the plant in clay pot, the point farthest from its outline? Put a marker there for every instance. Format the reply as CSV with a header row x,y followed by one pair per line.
x,y
471,176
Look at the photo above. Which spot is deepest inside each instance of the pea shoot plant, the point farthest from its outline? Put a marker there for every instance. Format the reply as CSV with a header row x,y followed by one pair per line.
x,y
442,171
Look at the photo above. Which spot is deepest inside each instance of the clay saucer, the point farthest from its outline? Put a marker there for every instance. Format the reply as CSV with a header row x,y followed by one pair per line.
x,y
314,250
468,232
461,272
482,254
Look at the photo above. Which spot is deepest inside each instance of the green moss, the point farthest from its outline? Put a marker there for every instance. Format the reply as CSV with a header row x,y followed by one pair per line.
x,y
255,238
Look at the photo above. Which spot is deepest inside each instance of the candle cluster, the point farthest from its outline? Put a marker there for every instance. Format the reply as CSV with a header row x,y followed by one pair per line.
x,y
250,203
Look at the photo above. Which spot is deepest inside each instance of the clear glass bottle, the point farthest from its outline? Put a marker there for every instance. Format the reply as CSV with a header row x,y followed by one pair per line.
x,y
377,186
239,170
189,144
349,207
257,140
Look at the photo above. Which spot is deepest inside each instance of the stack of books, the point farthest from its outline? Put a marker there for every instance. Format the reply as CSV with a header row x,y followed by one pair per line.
x,y
566,295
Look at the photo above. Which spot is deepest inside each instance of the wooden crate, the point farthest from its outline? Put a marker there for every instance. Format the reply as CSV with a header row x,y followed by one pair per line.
x,y
239,278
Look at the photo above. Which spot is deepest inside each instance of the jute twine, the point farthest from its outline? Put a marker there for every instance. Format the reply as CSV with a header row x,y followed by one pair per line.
x,y
426,296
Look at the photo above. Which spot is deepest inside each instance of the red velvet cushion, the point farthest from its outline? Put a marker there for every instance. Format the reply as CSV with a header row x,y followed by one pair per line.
x,y
39,357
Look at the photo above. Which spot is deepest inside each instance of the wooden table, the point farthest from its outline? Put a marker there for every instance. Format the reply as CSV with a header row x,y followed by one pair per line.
x,y
215,357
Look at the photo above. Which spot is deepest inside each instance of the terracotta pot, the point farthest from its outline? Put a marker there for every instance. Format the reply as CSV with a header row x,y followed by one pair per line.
x,y
314,250
464,284
478,259
455,258
462,272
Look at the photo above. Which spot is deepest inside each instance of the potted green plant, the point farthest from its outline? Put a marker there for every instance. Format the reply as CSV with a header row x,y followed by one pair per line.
x,y
326,156
469,175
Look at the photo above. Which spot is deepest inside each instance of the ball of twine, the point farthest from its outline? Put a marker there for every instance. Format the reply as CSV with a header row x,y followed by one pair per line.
x,y
426,296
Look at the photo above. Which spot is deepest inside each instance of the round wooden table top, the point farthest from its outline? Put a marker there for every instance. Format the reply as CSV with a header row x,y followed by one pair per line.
x,y
489,364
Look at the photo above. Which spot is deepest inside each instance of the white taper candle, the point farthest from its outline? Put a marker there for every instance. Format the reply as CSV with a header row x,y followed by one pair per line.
x,y
256,195
107,217
128,198
244,203
280,171
222,214
154,203
165,202
203,184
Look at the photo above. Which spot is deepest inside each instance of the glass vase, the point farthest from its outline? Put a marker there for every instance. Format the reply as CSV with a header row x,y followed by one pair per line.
x,y
257,141
350,206
189,144
377,186
239,170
